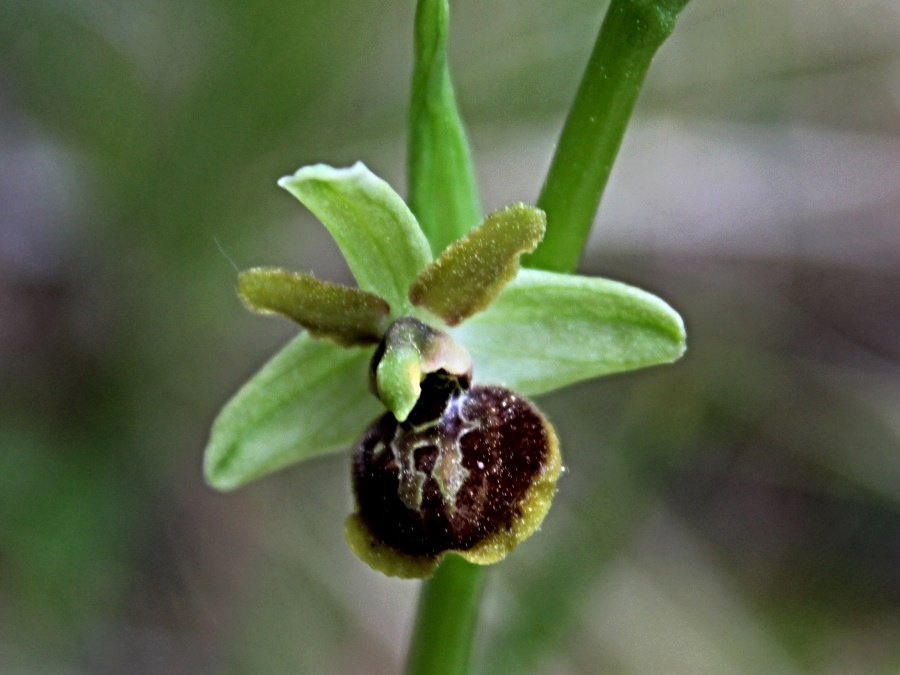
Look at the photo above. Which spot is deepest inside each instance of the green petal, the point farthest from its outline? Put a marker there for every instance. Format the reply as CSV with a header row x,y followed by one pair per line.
x,y
471,272
345,315
548,330
375,230
442,189
310,399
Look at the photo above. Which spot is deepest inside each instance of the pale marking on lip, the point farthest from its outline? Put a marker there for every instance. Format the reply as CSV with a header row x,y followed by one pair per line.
x,y
448,472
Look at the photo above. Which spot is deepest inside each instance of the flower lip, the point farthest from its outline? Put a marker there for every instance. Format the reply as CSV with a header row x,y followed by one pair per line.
x,y
471,470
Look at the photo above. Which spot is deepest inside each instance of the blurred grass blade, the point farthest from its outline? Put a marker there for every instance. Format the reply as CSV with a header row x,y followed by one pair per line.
x,y
347,316
472,271
375,230
443,192
548,330
310,399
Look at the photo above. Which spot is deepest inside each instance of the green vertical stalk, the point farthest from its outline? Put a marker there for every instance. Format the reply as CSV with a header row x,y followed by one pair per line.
x,y
630,35
443,195
443,192
446,619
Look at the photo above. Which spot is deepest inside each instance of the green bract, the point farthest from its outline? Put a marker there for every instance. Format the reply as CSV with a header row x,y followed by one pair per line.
x,y
526,330
442,187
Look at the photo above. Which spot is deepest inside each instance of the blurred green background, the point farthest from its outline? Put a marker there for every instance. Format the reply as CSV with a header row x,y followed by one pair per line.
x,y
736,513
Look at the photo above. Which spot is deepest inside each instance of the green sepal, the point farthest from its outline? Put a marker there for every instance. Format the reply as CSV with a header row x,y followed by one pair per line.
x,y
472,271
311,398
443,192
347,316
375,230
411,350
549,330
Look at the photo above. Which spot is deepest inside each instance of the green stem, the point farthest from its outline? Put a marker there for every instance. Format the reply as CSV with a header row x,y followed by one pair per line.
x,y
630,35
443,192
446,619
440,166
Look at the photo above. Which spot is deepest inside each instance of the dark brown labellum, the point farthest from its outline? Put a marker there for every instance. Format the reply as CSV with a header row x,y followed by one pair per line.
x,y
470,470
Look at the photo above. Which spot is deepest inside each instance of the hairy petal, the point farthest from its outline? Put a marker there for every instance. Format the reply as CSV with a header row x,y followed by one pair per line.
x,y
347,316
472,271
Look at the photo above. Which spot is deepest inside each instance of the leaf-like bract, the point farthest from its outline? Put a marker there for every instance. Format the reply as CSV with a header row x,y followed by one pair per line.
x,y
443,192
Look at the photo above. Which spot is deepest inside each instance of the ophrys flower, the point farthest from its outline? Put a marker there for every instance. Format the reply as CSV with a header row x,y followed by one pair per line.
x,y
450,346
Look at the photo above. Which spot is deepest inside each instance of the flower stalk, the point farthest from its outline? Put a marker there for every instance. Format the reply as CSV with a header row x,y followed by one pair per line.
x,y
448,607
629,37
443,193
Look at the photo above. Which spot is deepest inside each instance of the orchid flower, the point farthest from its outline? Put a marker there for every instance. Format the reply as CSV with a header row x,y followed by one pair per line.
x,y
439,351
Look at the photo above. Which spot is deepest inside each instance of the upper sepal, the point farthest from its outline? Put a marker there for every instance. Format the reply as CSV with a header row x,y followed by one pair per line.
x,y
375,230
